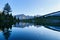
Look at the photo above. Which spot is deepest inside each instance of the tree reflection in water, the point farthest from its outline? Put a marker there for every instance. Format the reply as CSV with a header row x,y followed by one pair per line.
x,y
6,29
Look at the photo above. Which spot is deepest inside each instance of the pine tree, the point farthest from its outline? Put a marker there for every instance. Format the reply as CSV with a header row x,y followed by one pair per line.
x,y
7,9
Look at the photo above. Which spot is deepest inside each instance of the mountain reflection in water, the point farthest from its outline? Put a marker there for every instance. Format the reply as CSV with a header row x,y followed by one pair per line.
x,y
55,28
22,25
29,32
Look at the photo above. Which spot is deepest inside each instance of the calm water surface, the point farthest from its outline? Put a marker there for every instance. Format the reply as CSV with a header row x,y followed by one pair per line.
x,y
26,31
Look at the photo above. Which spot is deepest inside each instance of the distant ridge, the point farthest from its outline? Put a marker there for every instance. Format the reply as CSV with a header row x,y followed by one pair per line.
x,y
53,14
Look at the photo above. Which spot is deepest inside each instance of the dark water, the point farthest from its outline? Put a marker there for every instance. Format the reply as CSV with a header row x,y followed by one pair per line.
x,y
27,31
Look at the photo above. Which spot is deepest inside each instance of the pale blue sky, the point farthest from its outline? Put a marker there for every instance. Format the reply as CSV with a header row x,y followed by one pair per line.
x,y
32,7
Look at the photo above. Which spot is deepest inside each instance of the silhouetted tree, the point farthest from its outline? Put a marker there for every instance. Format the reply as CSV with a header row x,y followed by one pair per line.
x,y
7,9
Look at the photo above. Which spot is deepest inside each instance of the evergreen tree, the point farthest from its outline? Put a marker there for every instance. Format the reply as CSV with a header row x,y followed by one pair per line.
x,y
7,9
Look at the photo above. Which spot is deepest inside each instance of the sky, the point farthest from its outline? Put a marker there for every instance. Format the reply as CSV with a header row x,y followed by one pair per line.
x,y
31,7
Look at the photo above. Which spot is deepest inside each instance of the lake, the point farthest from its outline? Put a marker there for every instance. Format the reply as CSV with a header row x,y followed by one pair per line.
x,y
29,31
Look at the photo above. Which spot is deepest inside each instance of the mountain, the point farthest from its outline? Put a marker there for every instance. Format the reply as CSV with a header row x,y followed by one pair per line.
x,y
53,14
53,18
22,16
